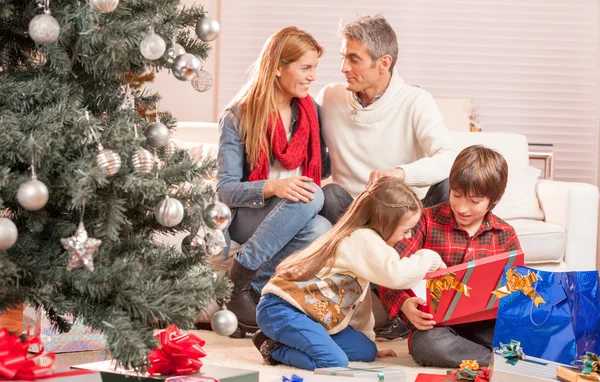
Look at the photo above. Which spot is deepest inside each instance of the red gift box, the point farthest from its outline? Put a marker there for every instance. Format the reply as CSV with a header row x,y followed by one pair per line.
x,y
463,293
433,377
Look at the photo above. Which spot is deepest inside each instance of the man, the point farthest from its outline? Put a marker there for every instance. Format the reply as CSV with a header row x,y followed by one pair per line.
x,y
376,125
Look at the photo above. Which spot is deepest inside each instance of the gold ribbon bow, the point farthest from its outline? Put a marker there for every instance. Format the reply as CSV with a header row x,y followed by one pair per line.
x,y
469,364
515,281
440,284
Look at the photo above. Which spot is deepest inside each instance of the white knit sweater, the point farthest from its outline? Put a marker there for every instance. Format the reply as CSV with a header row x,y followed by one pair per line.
x,y
404,128
341,297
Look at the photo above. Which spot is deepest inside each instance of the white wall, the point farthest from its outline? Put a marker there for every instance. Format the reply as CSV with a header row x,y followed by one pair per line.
x,y
178,97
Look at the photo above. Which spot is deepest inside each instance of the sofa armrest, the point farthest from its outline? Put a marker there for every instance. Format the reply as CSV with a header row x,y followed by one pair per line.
x,y
573,206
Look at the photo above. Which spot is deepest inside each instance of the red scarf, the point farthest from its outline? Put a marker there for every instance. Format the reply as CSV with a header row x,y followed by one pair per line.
x,y
304,148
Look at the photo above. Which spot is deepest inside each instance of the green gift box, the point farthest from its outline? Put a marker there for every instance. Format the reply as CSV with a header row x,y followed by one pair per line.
x,y
374,373
224,374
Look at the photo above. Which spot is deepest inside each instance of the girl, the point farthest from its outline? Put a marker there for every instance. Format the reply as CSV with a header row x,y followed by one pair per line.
x,y
316,311
270,166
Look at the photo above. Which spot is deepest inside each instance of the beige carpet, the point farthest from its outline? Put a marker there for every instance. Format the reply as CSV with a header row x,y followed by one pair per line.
x,y
241,353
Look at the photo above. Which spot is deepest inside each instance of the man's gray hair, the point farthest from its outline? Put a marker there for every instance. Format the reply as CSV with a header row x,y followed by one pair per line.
x,y
377,35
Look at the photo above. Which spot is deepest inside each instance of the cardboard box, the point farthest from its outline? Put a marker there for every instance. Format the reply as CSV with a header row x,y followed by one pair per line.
x,y
373,373
223,374
463,293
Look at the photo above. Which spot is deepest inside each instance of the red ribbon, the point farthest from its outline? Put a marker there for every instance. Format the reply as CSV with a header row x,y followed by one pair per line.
x,y
177,353
15,360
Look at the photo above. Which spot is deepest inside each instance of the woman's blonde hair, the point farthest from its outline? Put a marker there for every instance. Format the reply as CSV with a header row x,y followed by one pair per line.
x,y
257,100
381,207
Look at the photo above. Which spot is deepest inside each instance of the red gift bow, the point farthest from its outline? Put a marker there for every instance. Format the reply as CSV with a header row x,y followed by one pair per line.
x,y
15,360
177,354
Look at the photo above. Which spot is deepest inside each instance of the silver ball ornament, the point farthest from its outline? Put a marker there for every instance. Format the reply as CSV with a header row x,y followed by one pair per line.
x,y
203,81
44,29
207,29
186,67
143,160
217,216
215,241
174,51
169,212
8,233
157,135
224,322
103,6
153,46
109,161
192,244
32,195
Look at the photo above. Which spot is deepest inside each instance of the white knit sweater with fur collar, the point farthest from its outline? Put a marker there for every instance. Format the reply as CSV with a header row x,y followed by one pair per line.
x,y
404,128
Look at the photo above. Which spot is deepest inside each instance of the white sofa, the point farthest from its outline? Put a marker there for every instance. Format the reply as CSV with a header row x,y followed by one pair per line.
x,y
556,221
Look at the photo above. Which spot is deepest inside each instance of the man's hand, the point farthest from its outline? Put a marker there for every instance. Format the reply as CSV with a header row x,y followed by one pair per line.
x,y
295,188
395,172
385,353
420,320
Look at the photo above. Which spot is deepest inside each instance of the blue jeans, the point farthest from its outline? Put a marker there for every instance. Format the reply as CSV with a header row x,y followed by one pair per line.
x,y
275,231
305,343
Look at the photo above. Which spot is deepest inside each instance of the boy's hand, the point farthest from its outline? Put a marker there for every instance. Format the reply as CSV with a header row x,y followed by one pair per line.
x,y
385,353
420,320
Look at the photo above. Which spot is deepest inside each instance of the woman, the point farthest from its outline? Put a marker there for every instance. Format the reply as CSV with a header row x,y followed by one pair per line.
x,y
270,166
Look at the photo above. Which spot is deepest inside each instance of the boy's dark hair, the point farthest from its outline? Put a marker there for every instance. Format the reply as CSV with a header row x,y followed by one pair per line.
x,y
479,171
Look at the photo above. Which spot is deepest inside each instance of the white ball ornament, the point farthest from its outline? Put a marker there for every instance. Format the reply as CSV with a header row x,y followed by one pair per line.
x,y
44,29
153,46
32,195
224,322
8,234
103,6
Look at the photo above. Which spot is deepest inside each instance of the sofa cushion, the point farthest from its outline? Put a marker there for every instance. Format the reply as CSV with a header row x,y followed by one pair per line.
x,y
541,242
520,198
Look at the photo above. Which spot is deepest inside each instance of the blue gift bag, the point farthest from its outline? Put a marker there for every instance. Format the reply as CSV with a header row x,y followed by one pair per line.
x,y
555,315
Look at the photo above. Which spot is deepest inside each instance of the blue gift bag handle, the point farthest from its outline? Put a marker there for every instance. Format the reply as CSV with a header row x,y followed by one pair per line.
x,y
532,304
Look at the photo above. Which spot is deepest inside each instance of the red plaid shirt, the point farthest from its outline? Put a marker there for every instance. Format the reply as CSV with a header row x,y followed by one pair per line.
x,y
438,230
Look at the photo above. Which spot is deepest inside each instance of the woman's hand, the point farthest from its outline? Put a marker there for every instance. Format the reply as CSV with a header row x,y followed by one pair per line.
x,y
385,353
420,320
295,188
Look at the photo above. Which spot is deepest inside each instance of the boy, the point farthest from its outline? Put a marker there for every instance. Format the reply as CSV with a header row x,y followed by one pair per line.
x,y
462,229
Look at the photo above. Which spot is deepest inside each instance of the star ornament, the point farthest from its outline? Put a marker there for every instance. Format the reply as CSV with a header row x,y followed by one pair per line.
x,y
81,249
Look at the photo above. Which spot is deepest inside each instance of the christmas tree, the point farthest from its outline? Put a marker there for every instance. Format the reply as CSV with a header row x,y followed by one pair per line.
x,y
68,118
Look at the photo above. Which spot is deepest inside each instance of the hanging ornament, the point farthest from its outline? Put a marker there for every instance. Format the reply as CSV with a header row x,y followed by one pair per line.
x,y
207,29
174,51
203,81
108,160
224,322
185,67
171,148
38,59
169,212
8,234
44,29
128,102
81,248
157,134
214,239
32,194
217,216
103,6
192,244
143,160
153,46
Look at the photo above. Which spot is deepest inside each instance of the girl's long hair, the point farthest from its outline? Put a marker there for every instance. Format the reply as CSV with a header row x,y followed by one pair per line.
x,y
381,207
258,98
